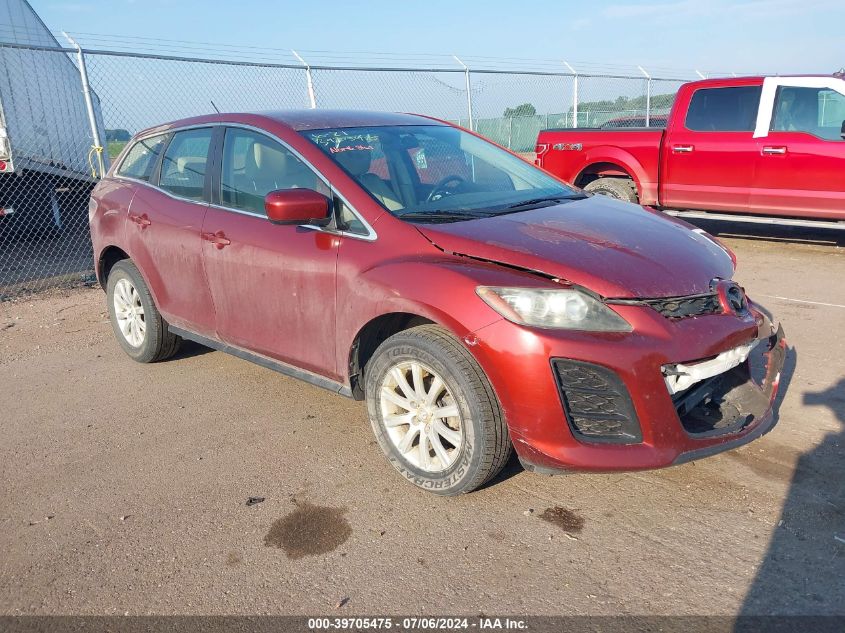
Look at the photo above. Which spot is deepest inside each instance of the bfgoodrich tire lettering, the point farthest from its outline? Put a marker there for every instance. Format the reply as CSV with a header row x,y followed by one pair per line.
x,y
484,445
126,287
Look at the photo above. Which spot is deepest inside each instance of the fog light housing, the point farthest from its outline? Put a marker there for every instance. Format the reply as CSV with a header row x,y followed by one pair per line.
x,y
597,405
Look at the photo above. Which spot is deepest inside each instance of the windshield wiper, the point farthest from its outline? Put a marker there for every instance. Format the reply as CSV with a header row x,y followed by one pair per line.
x,y
535,201
441,215
445,215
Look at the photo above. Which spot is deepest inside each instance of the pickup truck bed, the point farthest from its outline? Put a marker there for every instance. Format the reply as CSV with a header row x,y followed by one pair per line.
x,y
584,155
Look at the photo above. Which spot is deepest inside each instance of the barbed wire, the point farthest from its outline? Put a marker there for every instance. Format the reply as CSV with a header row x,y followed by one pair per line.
x,y
316,56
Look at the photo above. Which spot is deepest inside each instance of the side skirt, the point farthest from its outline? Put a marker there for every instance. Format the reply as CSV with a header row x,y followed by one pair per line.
x,y
269,363
833,223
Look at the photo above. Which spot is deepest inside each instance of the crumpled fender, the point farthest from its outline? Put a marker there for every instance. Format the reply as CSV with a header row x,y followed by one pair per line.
x,y
445,294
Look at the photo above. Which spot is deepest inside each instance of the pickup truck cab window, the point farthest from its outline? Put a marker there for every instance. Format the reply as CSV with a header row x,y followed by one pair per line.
x,y
141,158
185,163
254,165
732,109
816,111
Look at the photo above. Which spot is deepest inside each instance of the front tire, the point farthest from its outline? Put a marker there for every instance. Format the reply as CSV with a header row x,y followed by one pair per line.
x,y
434,413
138,325
620,188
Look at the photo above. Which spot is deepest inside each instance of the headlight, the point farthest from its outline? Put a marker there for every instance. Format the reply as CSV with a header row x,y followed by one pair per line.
x,y
553,308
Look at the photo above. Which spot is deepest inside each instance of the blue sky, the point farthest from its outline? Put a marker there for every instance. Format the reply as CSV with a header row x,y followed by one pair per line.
x,y
784,36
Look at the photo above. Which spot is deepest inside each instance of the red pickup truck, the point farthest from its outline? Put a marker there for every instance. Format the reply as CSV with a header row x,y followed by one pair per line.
x,y
771,146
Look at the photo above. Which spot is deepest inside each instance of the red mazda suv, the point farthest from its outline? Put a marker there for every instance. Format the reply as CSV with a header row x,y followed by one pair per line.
x,y
473,300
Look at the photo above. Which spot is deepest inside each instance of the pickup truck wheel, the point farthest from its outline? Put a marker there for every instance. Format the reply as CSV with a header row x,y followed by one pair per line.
x,y
434,413
138,326
620,188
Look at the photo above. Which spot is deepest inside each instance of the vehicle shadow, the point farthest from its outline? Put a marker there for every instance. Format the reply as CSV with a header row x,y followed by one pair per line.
x,y
803,572
512,467
190,349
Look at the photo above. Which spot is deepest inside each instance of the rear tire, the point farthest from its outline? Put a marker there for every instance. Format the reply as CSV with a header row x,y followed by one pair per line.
x,y
620,188
434,412
138,325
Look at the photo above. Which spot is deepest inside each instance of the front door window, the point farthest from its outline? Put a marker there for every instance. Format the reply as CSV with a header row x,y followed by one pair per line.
x,y
254,165
816,111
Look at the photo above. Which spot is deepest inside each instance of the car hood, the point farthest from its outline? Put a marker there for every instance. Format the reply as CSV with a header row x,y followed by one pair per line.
x,y
614,248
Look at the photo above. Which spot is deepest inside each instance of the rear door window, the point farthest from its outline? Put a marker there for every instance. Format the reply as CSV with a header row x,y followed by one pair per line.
x,y
141,158
185,164
724,109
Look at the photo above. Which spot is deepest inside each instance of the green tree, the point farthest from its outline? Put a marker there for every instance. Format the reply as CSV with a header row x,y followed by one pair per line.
x,y
525,109
118,135
658,102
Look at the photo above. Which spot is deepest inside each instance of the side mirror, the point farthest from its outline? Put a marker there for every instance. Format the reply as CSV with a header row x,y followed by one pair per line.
x,y
842,130
296,206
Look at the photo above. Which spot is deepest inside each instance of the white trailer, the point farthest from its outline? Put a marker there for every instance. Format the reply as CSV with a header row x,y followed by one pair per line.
x,y
45,131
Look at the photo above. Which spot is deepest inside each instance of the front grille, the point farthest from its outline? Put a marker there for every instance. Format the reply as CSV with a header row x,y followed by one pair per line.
x,y
597,405
682,307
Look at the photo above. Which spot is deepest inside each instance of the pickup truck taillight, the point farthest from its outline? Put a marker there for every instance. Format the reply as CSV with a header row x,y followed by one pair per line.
x,y
540,151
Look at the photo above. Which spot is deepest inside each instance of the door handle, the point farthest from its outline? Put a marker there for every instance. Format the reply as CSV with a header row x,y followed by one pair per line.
x,y
774,151
682,149
219,239
141,220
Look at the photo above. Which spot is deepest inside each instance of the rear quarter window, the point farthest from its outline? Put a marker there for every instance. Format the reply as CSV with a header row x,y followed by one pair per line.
x,y
141,158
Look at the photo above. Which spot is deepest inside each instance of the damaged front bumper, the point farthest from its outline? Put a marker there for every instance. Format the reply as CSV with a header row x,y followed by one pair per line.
x,y
726,399
738,404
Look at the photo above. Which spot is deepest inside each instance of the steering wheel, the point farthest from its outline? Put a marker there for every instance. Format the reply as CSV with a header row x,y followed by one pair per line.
x,y
440,189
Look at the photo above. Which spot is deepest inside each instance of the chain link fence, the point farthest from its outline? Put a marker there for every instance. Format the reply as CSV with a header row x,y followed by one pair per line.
x,y
45,177
50,161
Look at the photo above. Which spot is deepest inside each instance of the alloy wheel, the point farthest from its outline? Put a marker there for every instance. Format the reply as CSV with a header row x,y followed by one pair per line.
x,y
421,416
129,313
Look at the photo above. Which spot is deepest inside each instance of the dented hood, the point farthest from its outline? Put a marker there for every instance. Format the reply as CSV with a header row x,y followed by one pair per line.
x,y
613,248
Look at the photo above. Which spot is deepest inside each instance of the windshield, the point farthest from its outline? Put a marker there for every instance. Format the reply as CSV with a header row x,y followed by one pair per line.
x,y
438,173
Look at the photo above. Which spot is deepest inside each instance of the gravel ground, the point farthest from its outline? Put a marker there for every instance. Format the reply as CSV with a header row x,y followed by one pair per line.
x,y
125,487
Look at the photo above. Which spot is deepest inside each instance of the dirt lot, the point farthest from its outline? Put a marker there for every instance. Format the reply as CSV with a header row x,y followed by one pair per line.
x,y
124,488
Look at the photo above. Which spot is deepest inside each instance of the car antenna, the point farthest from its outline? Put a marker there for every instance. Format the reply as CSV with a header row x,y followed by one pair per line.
x,y
215,107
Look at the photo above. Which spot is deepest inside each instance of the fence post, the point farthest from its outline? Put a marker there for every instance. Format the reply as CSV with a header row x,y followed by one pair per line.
x,y
647,97
510,129
574,93
469,91
309,81
97,146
